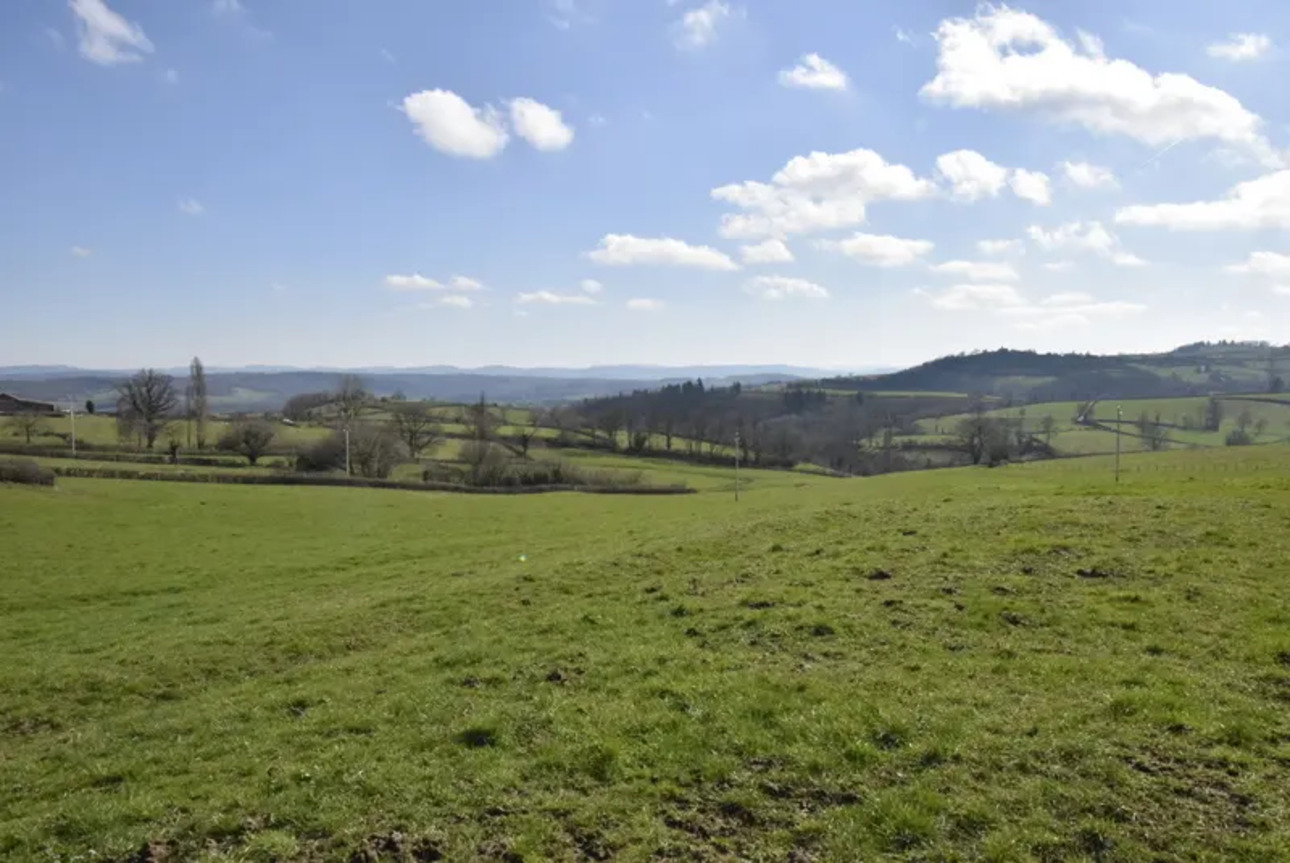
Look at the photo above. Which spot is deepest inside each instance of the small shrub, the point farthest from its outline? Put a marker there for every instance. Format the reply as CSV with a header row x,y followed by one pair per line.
x,y
25,471
324,455
1239,437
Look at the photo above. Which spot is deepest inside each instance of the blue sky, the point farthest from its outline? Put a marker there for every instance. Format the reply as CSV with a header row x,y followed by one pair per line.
x,y
576,182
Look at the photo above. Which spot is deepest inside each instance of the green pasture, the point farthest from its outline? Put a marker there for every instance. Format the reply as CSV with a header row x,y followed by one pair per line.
x,y
1029,663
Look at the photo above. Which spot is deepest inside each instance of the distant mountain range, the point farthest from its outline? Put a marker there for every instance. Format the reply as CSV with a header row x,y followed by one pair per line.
x,y
621,372
262,388
1018,375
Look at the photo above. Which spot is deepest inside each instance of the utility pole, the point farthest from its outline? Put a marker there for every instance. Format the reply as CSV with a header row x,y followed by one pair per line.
x,y
1119,427
347,471
736,467
71,412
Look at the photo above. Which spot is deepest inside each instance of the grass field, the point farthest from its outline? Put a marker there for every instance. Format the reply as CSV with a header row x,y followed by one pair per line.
x,y
1073,439
102,430
1027,663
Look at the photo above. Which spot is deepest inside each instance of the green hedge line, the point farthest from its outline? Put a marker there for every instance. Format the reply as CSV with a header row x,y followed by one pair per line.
x,y
353,482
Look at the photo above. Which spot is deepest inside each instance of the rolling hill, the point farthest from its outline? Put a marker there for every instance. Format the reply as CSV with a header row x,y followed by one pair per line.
x,y
1197,369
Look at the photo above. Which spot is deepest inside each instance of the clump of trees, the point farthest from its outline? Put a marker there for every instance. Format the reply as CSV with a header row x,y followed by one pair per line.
x,y
306,405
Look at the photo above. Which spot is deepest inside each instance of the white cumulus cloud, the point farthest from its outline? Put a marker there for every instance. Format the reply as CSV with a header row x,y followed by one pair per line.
x,y
783,287
1088,176
770,251
104,37
822,191
540,125
553,299
978,271
457,301
1031,186
448,123
814,73
698,27
1241,46
644,304
591,286
625,250
1253,205
971,175
879,250
1008,60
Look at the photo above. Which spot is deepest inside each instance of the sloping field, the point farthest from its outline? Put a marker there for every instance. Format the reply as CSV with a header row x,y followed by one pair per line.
x,y
1026,663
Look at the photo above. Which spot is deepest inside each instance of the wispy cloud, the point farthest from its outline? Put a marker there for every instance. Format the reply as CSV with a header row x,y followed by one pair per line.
x,y
104,37
814,73
698,27
191,207
1241,46
553,299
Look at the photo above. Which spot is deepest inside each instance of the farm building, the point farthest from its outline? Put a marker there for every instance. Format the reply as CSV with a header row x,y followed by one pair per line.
x,y
10,405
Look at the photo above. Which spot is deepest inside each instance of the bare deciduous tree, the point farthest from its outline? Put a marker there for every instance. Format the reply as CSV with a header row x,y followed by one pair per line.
x,y
147,401
251,438
611,423
1213,414
374,450
1152,432
28,424
1046,426
416,426
528,431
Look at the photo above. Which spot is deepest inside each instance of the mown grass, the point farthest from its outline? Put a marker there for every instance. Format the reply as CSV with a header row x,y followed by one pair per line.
x,y
1026,663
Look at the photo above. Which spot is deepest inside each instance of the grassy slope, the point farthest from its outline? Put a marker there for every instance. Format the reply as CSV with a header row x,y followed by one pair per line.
x,y
270,673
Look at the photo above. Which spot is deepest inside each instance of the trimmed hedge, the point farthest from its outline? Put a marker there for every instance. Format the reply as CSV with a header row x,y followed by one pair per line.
x,y
353,482
130,457
24,471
